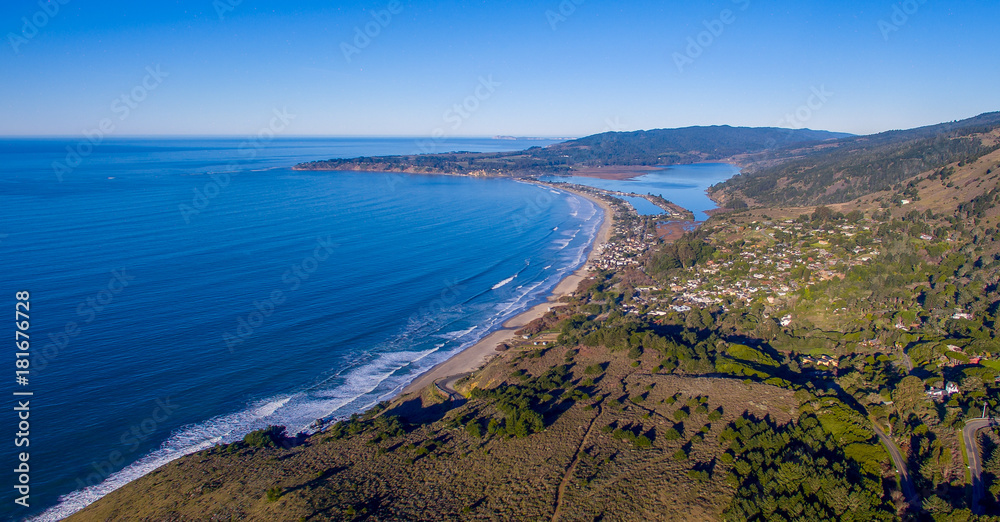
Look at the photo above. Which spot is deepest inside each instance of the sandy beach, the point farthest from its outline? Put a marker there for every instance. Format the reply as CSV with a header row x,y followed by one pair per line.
x,y
477,355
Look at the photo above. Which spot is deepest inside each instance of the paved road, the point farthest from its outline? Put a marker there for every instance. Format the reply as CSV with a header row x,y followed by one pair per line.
x,y
447,387
975,461
906,483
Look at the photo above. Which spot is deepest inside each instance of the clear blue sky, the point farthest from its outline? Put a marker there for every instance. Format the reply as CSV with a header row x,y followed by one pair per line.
x,y
594,66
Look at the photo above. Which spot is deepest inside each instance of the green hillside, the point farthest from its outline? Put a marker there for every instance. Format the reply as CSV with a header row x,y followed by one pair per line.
x,y
851,167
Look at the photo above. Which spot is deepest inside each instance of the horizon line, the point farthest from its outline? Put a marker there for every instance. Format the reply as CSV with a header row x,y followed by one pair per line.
x,y
499,137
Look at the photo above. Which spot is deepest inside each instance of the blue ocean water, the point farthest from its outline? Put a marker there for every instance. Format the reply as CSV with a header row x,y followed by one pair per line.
x,y
681,184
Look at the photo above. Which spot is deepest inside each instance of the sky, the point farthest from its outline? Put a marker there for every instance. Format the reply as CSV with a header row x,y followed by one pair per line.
x,y
557,68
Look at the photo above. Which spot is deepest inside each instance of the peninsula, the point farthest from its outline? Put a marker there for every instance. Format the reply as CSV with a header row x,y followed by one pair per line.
x,y
611,154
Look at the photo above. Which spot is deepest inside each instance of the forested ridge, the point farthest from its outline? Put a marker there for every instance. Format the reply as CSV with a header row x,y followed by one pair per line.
x,y
847,168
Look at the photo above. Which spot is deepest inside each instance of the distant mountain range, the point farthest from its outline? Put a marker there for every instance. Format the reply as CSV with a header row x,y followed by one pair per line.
x,y
677,146
529,138
639,148
780,166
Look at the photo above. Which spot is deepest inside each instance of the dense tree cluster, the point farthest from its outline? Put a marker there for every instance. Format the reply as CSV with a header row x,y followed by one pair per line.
x,y
523,405
798,472
685,252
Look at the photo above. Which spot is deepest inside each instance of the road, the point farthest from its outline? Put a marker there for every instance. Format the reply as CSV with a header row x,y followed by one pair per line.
x,y
447,387
905,482
975,461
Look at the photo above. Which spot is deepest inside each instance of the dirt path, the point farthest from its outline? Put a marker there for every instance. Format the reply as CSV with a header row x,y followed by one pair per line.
x,y
568,476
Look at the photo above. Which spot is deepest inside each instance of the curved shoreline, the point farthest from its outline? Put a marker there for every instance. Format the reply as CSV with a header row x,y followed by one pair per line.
x,y
479,354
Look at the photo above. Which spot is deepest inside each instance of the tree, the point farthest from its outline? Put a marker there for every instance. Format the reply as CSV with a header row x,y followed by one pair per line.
x,y
973,386
473,429
694,320
275,493
268,437
908,395
822,213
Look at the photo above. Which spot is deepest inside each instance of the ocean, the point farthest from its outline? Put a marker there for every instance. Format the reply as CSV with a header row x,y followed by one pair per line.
x,y
186,291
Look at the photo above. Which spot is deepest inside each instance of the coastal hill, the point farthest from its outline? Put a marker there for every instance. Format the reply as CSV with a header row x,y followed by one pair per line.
x,y
844,169
779,362
611,149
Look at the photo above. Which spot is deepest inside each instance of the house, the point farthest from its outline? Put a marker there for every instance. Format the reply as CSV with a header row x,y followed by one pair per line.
x,y
826,360
959,314
941,394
